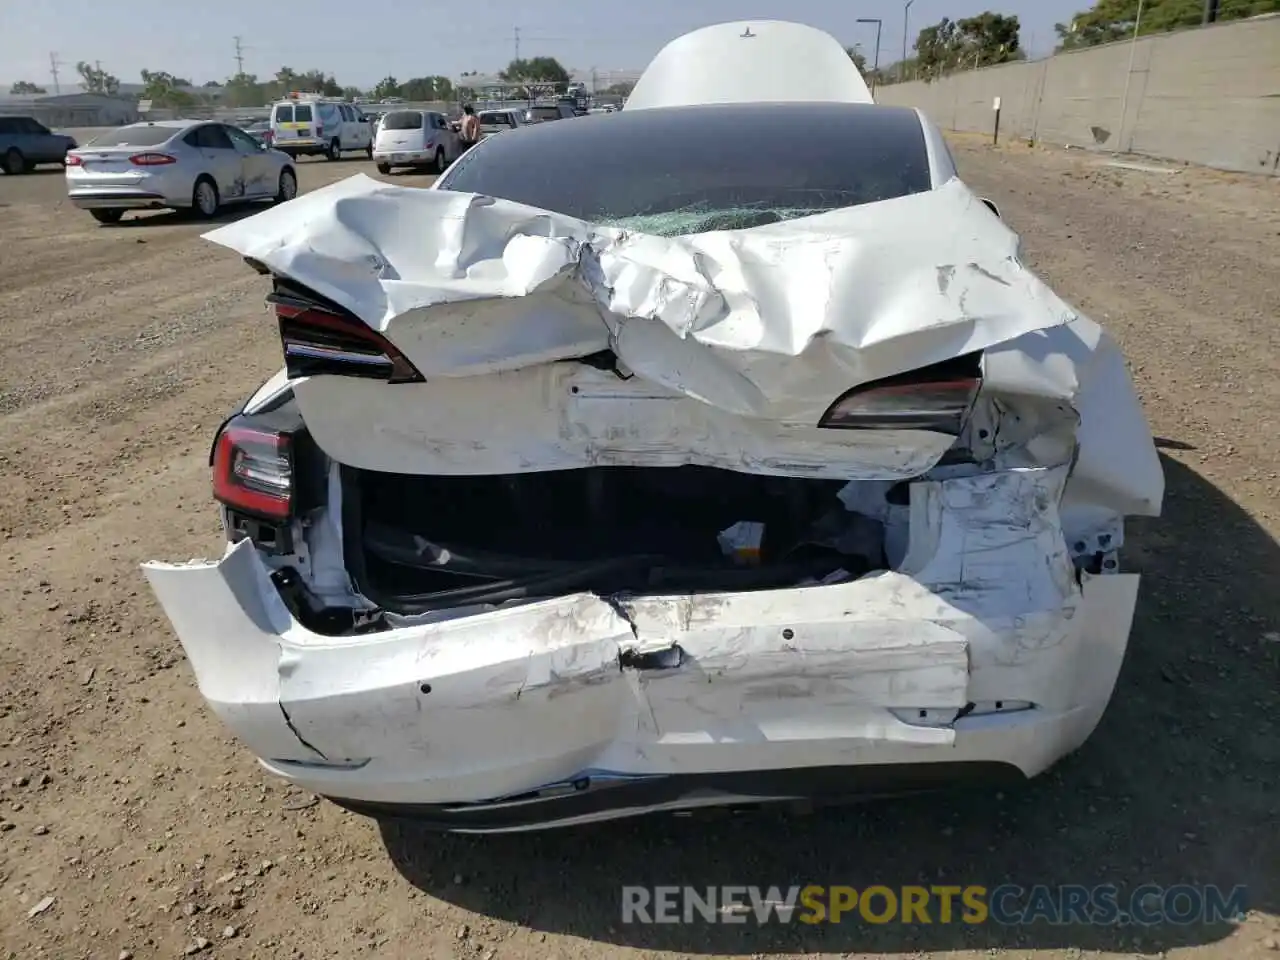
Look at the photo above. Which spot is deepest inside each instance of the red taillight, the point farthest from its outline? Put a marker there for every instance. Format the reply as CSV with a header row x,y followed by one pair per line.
x,y
74,161
936,398
253,472
151,159
318,341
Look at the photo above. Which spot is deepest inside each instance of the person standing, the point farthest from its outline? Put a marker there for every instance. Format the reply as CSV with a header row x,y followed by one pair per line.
x,y
469,131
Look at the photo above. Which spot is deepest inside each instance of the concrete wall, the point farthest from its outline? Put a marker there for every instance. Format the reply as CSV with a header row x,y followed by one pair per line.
x,y
1209,96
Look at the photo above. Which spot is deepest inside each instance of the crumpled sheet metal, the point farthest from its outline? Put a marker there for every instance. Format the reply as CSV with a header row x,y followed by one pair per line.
x,y
773,322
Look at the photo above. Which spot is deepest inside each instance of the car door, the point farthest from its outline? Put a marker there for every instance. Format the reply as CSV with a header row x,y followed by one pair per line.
x,y
364,129
446,136
347,130
221,160
257,166
39,144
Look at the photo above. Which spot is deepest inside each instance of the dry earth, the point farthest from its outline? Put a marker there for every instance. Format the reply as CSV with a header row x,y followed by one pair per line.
x,y
128,806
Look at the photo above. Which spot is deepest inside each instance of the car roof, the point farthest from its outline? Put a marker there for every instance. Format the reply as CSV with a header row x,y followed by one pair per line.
x,y
872,121
175,125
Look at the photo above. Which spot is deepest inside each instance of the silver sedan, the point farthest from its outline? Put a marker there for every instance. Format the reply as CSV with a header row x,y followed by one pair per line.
x,y
180,164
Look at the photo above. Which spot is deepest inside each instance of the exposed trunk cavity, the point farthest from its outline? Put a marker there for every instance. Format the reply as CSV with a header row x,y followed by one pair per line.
x,y
418,544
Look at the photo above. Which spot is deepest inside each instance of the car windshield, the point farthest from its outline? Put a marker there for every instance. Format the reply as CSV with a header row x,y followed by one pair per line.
x,y
403,120
499,119
544,113
724,175
137,135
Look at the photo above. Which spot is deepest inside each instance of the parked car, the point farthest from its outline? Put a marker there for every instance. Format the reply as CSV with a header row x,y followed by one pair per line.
x,y
545,112
606,478
415,138
260,130
181,164
303,126
496,121
25,143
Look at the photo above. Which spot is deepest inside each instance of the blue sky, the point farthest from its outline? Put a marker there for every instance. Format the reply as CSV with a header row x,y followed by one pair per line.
x,y
407,38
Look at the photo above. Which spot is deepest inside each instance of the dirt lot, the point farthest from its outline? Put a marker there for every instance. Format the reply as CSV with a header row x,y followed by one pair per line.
x,y
124,802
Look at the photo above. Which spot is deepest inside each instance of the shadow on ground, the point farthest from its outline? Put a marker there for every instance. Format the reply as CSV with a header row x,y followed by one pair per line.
x,y
1177,786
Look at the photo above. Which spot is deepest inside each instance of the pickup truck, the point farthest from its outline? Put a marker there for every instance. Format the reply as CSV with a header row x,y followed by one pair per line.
x,y
25,142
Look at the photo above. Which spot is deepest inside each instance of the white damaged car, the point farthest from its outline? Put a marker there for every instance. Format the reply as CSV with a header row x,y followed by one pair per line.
x,y
609,477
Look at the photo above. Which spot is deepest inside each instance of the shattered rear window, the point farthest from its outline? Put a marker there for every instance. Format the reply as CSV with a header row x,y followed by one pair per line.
x,y
682,170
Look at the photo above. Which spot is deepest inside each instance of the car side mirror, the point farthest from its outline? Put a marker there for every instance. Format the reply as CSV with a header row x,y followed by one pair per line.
x,y
991,206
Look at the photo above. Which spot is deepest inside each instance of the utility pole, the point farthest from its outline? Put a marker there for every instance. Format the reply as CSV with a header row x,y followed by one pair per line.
x,y
906,15
239,57
875,66
54,64
1210,11
516,35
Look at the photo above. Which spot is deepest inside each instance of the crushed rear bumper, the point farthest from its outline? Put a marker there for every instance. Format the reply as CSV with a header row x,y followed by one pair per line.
x,y
983,652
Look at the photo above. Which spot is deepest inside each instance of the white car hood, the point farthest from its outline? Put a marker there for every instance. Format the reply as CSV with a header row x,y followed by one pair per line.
x,y
774,322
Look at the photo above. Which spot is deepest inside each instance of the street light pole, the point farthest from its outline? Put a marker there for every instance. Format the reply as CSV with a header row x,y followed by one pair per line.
x,y
906,14
875,66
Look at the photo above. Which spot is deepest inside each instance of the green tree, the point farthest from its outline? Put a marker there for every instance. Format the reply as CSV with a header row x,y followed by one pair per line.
x,y
96,80
163,89
22,87
859,60
244,90
317,81
386,87
536,70
352,93
427,88
967,43
1109,20
621,89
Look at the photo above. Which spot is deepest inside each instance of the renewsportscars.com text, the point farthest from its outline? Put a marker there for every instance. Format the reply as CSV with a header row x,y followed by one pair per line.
x,y
1007,904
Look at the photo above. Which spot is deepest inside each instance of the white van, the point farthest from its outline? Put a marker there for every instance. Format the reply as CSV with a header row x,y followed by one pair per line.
x,y
302,125
415,138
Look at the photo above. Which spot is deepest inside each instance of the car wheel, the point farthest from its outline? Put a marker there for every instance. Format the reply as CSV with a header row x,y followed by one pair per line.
x,y
204,199
441,163
14,162
384,168
107,216
288,186
335,150
368,151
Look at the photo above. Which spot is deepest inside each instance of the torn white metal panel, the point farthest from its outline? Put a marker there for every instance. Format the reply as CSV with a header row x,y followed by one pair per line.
x,y
1118,468
774,322
719,64
562,416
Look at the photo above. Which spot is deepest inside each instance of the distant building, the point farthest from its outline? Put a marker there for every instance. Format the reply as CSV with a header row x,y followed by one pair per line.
x,y
73,109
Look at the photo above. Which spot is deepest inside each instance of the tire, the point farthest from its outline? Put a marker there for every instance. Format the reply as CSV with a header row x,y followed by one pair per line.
x,y
14,162
368,151
204,199
288,188
334,152
441,163
107,215
384,168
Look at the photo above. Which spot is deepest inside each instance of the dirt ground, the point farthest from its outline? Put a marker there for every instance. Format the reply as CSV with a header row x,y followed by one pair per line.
x,y
127,804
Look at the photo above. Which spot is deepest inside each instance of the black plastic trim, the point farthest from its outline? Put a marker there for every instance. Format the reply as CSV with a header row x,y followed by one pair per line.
x,y
635,797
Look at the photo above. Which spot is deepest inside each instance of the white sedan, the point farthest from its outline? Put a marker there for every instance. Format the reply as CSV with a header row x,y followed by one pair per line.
x,y
180,164
604,478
